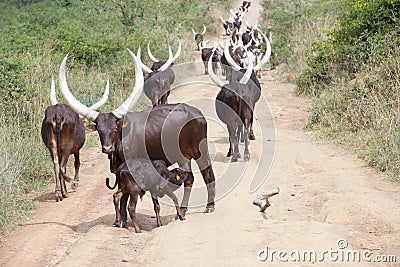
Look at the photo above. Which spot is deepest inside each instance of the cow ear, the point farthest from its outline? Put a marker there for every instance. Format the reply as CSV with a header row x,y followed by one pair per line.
x,y
90,127
122,123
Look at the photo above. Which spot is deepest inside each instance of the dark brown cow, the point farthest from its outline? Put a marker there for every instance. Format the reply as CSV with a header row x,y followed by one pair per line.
x,y
157,85
148,134
253,83
206,54
199,37
63,134
136,176
233,106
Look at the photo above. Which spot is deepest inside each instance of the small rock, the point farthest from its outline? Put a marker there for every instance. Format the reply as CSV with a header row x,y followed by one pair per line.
x,y
290,209
292,194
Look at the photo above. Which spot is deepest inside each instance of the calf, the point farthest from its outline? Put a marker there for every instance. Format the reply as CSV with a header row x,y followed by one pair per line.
x,y
136,176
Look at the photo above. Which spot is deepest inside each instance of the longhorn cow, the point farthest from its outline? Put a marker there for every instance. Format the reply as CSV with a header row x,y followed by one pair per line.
x,y
63,134
157,85
147,134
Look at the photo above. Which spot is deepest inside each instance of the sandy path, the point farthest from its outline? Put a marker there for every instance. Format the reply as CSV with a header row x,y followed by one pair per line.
x,y
326,195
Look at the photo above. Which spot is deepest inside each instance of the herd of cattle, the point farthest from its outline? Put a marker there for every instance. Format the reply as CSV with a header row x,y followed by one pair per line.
x,y
139,144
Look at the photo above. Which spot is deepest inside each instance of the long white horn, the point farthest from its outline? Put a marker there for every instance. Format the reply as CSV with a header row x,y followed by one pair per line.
x,y
204,29
211,73
223,21
142,65
150,54
53,97
264,60
136,92
249,70
103,99
178,52
77,106
229,59
169,61
194,33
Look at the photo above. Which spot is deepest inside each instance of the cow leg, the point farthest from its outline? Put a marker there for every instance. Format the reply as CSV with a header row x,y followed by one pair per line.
x,y
205,68
251,134
57,174
63,173
187,186
156,209
122,207
132,210
234,143
116,199
171,194
77,164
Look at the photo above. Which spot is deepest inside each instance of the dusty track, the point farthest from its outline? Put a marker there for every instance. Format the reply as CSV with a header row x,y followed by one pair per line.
x,y
326,195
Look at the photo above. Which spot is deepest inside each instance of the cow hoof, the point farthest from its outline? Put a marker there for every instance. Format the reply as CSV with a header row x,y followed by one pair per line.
x,y
209,210
251,136
116,223
182,218
247,157
228,154
234,159
74,185
123,225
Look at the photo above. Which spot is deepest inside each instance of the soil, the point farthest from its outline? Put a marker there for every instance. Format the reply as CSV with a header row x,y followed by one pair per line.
x,y
328,198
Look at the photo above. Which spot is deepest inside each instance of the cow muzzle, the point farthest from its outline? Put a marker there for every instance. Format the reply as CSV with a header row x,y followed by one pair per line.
x,y
108,149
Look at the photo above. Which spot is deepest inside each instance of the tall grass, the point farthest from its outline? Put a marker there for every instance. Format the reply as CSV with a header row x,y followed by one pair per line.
x,y
346,58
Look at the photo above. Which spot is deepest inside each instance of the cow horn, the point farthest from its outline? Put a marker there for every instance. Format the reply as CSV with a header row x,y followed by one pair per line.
x,y
201,45
223,21
169,61
103,99
178,52
228,57
53,97
194,33
150,54
77,106
142,65
264,60
249,70
211,73
204,29
136,92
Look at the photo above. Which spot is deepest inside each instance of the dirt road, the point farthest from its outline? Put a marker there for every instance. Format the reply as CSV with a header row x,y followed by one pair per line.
x,y
326,195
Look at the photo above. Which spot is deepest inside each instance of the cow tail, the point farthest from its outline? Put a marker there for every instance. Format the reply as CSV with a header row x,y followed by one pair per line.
x,y
115,183
57,130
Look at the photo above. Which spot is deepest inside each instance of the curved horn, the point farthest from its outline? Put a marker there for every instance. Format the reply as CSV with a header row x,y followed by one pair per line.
x,y
103,99
53,97
211,73
264,60
223,21
249,70
169,61
150,54
194,33
204,29
77,106
142,65
136,92
228,57
178,52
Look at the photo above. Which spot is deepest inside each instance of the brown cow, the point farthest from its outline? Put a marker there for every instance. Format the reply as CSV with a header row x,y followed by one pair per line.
x,y
63,134
146,132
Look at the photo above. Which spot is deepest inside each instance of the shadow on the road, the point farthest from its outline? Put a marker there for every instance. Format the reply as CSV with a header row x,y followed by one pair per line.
x,y
146,223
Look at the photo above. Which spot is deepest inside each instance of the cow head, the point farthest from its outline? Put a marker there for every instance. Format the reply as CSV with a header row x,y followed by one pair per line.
x,y
106,124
